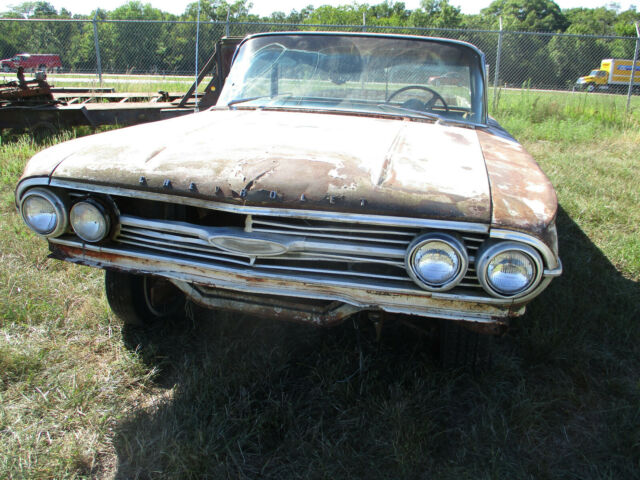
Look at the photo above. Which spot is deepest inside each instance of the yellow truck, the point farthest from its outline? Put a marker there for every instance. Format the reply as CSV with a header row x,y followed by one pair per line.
x,y
613,75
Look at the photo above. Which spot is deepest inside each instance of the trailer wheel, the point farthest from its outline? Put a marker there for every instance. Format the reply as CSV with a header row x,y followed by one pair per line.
x,y
42,131
461,347
141,300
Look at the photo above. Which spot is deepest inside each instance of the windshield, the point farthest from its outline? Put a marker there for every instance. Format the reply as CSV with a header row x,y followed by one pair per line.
x,y
401,76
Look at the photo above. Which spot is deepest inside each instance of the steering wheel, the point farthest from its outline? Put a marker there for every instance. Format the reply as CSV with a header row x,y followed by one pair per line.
x,y
430,103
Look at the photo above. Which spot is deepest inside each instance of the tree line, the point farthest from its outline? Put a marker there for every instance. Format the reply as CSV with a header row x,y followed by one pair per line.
x,y
168,47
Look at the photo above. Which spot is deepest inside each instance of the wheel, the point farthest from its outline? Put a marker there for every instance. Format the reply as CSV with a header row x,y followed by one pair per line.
x,y
591,87
461,347
5,68
141,300
42,68
430,103
43,131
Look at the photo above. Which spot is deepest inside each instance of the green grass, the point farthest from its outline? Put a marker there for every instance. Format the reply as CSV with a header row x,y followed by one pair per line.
x,y
121,83
236,396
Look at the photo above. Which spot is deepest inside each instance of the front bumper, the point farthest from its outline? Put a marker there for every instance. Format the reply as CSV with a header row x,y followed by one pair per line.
x,y
193,277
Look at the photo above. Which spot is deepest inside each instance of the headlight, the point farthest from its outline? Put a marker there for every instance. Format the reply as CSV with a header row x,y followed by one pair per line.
x,y
44,212
437,261
509,269
90,221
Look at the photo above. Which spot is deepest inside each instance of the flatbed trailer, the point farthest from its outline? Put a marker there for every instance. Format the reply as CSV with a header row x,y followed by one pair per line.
x,y
35,106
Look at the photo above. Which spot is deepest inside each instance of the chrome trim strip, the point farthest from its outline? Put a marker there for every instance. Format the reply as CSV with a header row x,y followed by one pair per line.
x,y
293,243
403,302
340,217
211,256
213,277
163,248
323,229
334,236
190,246
344,273
550,259
556,272
321,257
28,183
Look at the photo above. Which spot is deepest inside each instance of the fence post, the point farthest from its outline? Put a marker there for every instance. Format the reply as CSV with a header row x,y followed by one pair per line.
x,y
497,73
195,98
226,26
364,21
633,68
97,45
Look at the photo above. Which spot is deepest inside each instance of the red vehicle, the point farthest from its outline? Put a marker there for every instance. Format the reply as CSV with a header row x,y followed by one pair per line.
x,y
32,62
449,78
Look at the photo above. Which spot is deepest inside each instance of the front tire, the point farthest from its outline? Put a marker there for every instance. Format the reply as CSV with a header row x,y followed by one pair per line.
x,y
141,300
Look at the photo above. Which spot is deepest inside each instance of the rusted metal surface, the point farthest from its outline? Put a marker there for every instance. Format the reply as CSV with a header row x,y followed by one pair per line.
x,y
26,92
423,303
200,181
499,327
34,103
523,198
220,62
87,96
66,116
320,313
373,165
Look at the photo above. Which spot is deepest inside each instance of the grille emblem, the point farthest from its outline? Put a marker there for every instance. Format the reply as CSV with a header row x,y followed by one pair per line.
x,y
252,247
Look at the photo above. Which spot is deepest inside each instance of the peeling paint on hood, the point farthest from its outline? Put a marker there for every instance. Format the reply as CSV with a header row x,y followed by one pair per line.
x,y
522,195
274,158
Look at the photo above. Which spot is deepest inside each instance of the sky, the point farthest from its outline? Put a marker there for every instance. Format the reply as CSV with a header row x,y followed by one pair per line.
x,y
265,7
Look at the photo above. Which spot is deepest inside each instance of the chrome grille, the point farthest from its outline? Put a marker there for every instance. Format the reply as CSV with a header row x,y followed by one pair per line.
x,y
321,248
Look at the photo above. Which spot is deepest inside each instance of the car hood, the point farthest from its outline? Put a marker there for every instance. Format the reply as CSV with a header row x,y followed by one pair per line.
x,y
346,163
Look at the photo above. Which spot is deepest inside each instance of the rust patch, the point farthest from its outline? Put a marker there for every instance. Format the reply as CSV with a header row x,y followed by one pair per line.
x,y
457,138
522,196
241,282
154,153
410,169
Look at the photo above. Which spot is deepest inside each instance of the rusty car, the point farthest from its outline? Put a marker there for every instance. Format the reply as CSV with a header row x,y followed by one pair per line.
x,y
329,180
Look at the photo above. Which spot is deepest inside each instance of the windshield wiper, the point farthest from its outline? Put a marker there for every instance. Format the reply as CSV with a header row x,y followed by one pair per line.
x,y
250,99
243,100
433,116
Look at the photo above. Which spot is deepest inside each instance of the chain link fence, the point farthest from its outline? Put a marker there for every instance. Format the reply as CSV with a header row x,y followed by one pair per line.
x,y
516,59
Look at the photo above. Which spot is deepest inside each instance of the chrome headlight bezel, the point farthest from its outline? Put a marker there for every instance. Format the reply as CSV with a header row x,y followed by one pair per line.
x,y
422,241
101,214
58,204
490,251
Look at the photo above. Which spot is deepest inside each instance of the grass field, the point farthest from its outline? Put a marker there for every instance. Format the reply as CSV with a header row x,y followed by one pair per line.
x,y
240,397
120,82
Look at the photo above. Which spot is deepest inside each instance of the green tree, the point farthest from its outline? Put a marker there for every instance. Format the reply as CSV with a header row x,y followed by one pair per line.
x,y
38,9
591,21
217,10
527,15
436,13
